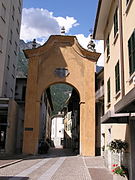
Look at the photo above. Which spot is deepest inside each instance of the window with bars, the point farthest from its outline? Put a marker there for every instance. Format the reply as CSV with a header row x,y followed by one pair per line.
x,y
117,78
115,22
108,45
131,53
108,91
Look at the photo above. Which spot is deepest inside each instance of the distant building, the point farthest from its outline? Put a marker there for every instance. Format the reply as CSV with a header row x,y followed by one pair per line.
x,y
68,130
45,111
72,122
57,130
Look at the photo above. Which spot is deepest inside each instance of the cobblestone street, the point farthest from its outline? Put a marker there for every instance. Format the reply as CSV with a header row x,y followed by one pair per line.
x,y
58,164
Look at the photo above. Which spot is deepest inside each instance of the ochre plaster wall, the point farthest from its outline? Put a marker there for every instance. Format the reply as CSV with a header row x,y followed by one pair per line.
x,y
61,52
12,127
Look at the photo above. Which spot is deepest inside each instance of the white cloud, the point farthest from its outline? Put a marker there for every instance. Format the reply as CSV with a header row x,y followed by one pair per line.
x,y
83,41
40,23
67,22
99,47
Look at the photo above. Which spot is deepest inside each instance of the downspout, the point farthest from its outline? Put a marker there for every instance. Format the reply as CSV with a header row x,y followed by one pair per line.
x,y
121,49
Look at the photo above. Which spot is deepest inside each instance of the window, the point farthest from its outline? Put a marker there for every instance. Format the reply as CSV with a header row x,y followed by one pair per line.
x,y
11,36
131,53
108,46
13,73
3,12
117,78
127,1
18,23
116,22
6,86
108,91
12,92
13,12
18,27
1,43
8,61
20,3
15,51
19,10
23,92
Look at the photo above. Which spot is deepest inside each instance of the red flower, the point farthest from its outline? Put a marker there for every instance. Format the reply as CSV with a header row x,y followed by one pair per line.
x,y
112,170
113,165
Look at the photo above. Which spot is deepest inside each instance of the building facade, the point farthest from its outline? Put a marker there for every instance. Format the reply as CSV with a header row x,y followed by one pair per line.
x,y
115,25
10,21
57,130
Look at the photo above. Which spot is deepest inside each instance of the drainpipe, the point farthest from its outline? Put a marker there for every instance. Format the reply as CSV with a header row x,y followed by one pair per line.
x,y
121,49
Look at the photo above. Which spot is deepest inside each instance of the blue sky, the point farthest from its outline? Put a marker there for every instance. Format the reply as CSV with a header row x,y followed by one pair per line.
x,y
42,18
83,11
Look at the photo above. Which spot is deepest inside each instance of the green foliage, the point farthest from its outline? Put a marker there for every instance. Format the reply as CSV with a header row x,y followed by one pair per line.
x,y
22,66
118,145
120,170
59,94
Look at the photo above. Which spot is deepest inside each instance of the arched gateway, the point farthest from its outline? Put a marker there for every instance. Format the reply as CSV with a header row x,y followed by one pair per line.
x,y
61,60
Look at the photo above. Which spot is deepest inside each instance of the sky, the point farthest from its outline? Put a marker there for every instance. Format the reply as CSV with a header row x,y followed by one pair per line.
x,y
42,18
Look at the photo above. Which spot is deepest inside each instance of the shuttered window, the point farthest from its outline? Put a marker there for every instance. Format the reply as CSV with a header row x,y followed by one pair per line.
x,y
108,46
127,1
117,78
131,53
115,22
108,91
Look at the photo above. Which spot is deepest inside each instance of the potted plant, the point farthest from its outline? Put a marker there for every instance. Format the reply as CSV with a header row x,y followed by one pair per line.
x,y
117,145
120,170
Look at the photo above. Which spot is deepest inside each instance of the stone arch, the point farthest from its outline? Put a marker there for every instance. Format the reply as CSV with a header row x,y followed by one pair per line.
x,y
61,82
61,60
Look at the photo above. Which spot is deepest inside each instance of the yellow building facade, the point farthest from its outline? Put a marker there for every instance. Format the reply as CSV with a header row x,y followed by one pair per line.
x,y
115,25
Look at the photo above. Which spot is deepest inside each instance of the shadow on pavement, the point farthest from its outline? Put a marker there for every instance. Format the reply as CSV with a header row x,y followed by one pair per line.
x,y
52,153
14,178
12,157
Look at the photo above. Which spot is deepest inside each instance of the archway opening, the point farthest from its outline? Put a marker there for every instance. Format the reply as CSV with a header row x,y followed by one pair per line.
x,y
60,118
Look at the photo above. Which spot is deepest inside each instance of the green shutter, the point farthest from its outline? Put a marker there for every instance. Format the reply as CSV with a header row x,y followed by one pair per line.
x,y
108,90
108,45
115,22
131,53
117,78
